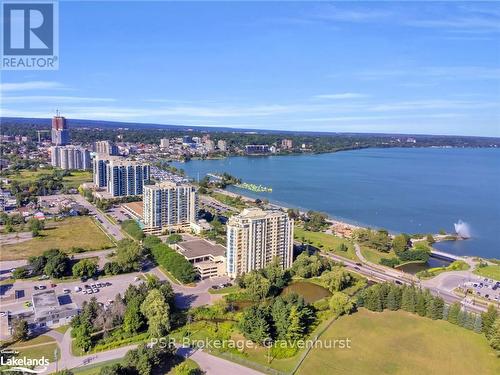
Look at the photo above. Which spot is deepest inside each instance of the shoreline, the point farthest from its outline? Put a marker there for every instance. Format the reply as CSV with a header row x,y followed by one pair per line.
x,y
342,228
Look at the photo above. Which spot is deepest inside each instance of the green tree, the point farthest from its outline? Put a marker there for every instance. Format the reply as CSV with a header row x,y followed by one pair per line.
x,y
408,299
256,285
85,268
337,279
35,226
393,300
494,338
254,324
420,307
478,324
20,329
295,328
489,318
400,244
57,265
430,239
82,335
174,238
133,320
340,303
280,312
128,254
453,313
157,312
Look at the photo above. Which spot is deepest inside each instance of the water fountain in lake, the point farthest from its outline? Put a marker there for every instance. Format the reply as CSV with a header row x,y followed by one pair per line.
x,y
462,229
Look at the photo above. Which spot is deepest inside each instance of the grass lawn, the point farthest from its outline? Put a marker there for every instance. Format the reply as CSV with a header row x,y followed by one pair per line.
x,y
375,256
192,365
229,200
42,339
95,368
73,181
492,272
77,178
62,329
400,343
80,231
326,242
229,289
41,346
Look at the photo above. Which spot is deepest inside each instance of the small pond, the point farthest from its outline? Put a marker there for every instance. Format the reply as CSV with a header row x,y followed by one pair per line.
x,y
413,268
309,291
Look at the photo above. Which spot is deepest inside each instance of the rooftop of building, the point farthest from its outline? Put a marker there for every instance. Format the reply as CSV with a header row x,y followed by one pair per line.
x,y
199,248
136,207
168,185
257,213
48,302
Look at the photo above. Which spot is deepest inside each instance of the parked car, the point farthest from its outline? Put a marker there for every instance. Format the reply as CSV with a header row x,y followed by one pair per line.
x,y
36,287
42,287
53,285
77,288
66,291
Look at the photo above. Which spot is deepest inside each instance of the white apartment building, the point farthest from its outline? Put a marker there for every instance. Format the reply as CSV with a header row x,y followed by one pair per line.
x,y
169,205
105,147
222,145
164,143
255,237
126,177
120,176
70,157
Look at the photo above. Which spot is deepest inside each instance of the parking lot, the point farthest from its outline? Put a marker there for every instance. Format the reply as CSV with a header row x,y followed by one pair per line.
x,y
486,288
105,289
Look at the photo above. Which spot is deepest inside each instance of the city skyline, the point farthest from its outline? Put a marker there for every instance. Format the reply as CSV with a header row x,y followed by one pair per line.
x,y
342,67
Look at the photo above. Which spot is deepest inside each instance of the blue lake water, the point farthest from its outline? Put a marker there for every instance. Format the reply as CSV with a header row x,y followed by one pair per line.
x,y
403,190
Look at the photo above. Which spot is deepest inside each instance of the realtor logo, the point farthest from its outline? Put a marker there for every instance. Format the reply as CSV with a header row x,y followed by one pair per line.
x,y
30,35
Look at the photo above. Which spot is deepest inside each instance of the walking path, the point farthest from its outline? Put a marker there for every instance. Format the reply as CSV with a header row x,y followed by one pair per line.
x,y
210,364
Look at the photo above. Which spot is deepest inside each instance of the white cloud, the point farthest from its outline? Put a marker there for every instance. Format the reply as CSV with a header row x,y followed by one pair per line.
x,y
31,85
346,95
53,99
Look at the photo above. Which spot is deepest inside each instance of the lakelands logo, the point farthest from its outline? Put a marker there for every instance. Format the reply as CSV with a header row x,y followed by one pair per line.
x,y
22,364
30,35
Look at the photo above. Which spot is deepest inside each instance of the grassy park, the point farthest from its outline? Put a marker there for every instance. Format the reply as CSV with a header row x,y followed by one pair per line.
x,y
40,346
73,181
492,272
406,344
326,242
374,256
80,231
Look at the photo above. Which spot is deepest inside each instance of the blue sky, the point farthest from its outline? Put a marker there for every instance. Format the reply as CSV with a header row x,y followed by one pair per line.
x,y
344,66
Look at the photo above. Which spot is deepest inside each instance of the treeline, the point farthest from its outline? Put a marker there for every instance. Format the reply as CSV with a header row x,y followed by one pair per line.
x,y
388,296
287,318
380,240
29,191
170,259
320,141
128,258
145,308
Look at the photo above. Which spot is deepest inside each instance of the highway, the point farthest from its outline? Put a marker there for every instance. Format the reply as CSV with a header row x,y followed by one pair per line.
x,y
378,275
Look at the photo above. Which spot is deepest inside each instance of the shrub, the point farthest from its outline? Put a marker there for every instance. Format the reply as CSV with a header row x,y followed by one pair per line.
x,y
132,228
171,260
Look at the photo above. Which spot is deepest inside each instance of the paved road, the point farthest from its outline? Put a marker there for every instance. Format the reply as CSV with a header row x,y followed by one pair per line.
x,y
210,364
111,228
377,274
